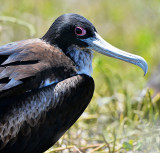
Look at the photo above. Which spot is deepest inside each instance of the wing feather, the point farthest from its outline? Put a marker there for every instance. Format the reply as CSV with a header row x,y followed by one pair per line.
x,y
24,65
44,116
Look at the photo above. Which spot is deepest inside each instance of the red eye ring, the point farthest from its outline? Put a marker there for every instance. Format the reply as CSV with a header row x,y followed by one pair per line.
x,y
79,31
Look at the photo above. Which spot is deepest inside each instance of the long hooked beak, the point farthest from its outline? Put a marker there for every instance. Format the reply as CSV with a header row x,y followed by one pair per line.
x,y
98,44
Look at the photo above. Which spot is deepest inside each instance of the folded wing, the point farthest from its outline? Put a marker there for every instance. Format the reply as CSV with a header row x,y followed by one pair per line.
x,y
45,115
24,65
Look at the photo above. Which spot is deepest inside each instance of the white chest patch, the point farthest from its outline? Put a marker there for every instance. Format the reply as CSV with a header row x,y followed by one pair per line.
x,y
83,60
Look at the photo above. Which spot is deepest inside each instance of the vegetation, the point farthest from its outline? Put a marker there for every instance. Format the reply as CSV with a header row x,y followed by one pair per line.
x,y
122,116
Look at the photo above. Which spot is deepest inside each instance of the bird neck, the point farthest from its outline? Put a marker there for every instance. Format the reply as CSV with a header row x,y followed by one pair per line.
x,y
82,59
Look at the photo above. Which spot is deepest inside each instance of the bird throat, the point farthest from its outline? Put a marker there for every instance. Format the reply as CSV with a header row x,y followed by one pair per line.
x,y
82,59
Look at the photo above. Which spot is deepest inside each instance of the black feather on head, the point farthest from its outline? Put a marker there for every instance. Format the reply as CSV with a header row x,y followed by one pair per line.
x,y
62,31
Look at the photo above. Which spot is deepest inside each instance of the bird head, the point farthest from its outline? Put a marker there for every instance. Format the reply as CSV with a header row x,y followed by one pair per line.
x,y
73,29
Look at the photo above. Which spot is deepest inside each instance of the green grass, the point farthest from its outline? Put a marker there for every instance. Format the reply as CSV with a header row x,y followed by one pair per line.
x,y
121,116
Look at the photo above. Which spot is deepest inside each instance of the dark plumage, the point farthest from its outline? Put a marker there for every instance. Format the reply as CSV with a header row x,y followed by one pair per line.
x,y
28,63
64,35
48,113
46,84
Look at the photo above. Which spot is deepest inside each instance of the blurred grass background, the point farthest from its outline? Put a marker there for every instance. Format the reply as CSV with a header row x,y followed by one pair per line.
x,y
122,116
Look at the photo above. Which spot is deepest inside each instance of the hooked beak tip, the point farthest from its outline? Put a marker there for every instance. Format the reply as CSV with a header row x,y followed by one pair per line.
x,y
142,64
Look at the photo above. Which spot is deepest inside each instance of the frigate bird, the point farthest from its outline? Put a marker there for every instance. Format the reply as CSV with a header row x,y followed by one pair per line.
x,y
46,83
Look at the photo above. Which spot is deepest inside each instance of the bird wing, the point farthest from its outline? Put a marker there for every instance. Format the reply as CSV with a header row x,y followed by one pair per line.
x,y
45,115
24,65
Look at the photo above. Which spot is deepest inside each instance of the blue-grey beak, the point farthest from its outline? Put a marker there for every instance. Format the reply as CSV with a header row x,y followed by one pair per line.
x,y
98,44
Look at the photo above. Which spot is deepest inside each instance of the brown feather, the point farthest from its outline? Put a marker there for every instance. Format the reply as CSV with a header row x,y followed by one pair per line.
x,y
29,63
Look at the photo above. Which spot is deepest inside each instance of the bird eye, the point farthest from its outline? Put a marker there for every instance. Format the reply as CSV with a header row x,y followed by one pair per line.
x,y
79,31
